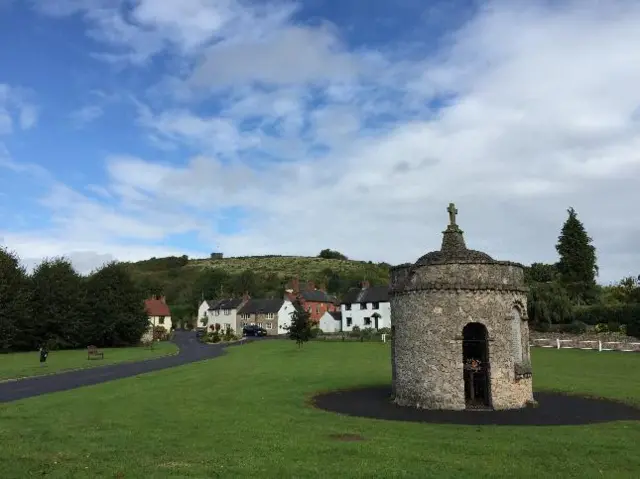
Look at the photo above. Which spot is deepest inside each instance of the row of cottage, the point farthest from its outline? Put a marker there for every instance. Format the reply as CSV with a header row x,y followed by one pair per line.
x,y
364,307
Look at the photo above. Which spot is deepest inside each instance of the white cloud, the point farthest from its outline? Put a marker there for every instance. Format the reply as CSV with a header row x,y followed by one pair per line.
x,y
86,114
539,112
15,108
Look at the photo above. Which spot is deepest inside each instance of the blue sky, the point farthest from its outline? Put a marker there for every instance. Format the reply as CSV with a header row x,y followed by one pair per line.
x,y
138,128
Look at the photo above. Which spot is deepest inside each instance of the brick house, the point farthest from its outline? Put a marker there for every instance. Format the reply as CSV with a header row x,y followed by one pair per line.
x,y
274,315
313,299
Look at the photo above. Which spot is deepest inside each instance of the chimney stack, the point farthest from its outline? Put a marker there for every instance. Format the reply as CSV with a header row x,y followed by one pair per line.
x,y
245,296
295,285
365,284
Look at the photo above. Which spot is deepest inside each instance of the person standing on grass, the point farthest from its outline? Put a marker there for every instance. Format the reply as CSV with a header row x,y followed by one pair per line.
x,y
43,355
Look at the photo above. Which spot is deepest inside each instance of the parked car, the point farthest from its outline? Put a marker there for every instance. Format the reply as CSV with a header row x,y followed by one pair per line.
x,y
253,330
200,332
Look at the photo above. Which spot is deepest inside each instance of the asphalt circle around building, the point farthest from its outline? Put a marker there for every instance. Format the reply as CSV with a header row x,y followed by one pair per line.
x,y
553,409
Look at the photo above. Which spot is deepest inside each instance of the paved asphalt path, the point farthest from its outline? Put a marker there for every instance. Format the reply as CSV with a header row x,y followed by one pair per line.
x,y
191,350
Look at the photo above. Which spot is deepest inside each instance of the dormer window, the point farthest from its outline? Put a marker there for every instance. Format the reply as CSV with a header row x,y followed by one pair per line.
x,y
363,305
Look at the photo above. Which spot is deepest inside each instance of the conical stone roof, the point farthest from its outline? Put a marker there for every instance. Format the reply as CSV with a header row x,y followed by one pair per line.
x,y
453,249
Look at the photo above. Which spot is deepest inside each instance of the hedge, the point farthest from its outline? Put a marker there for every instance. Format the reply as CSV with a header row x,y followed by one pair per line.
x,y
614,314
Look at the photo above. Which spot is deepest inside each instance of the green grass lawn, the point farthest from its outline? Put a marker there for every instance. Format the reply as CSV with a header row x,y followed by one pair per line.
x,y
246,415
18,365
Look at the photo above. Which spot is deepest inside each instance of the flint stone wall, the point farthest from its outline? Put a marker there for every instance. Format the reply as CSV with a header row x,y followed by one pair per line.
x,y
428,315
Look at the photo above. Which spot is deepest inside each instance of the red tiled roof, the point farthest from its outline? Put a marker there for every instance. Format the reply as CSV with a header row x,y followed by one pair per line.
x,y
156,307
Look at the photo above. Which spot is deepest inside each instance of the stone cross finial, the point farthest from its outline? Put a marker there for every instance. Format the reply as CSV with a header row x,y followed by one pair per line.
x,y
452,214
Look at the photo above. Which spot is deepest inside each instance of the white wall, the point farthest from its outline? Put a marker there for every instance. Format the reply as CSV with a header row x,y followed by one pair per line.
x,y
213,318
328,324
284,316
155,321
202,312
357,316
219,317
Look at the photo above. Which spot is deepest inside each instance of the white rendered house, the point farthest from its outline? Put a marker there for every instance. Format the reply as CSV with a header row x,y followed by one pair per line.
x,y
331,322
367,307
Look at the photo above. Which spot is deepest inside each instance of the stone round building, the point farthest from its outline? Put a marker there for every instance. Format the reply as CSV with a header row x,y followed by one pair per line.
x,y
460,334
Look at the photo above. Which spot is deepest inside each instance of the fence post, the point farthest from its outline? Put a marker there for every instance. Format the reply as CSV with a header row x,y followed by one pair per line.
x,y
384,338
599,346
558,343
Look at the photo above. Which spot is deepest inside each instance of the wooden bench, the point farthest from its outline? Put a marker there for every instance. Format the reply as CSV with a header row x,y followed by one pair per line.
x,y
94,353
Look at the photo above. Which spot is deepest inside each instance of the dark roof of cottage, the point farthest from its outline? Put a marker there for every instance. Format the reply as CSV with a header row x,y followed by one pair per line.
x,y
156,307
211,302
337,315
256,306
372,294
317,296
231,303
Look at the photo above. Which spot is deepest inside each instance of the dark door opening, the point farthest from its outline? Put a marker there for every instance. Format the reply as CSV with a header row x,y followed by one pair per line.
x,y
475,356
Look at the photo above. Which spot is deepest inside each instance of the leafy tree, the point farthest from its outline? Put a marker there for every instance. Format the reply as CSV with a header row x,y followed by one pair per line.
x,y
15,308
211,283
246,281
549,303
300,328
331,254
59,307
116,305
541,273
577,267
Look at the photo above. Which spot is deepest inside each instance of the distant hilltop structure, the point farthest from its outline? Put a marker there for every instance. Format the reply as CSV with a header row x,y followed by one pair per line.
x,y
217,255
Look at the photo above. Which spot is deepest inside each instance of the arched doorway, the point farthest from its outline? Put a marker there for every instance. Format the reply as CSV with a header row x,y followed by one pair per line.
x,y
475,357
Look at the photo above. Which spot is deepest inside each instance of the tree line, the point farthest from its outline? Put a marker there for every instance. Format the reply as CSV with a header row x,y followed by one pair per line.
x,y
185,288
57,307
565,296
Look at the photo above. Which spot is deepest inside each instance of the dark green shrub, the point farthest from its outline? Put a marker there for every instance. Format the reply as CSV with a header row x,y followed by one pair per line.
x,y
215,337
603,313
613,326
602,328
576,327
541,327
633,329
228,334
355,332
367,334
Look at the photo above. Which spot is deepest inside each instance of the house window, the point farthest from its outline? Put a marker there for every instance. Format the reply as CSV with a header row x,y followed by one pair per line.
x,y
161,320
309,309
227,312
270,315
363,305
244,316
347,307
217,312
259,325
375,305
367,321
269,325
317,308
349,322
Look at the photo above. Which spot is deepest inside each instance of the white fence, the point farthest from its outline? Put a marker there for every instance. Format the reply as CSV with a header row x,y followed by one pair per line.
x,y
584,344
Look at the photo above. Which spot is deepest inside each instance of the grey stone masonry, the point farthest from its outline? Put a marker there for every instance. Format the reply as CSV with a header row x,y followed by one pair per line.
x,y
431,303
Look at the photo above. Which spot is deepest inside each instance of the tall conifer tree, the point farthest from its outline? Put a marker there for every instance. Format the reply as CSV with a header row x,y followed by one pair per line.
x,y
577,267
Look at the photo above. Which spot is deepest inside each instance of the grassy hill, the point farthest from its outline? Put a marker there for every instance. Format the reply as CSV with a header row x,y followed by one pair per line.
x,y
185,281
